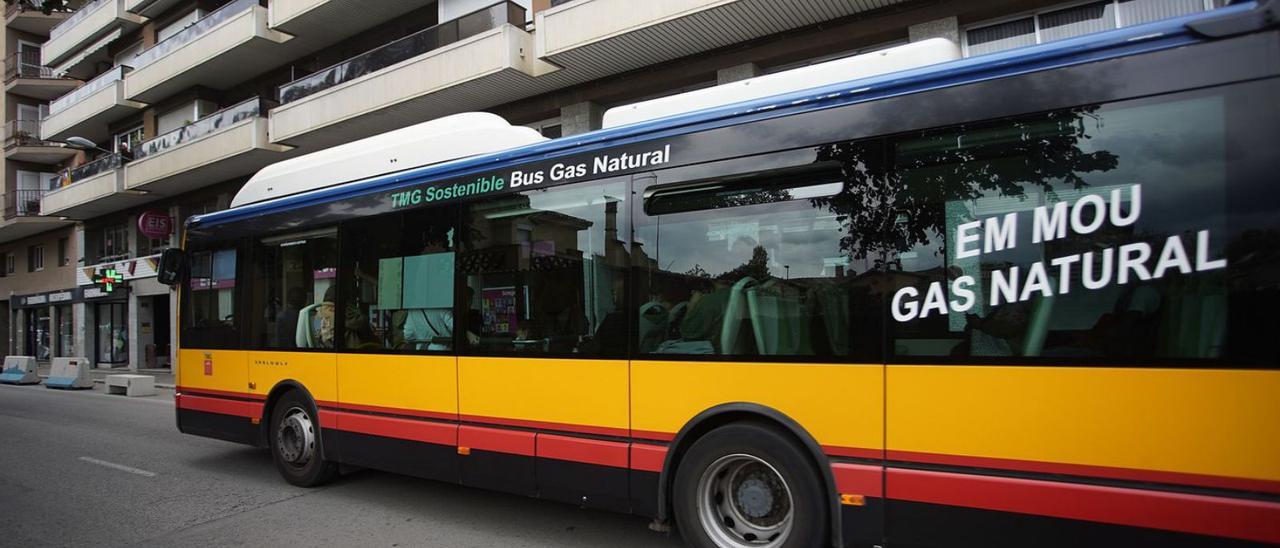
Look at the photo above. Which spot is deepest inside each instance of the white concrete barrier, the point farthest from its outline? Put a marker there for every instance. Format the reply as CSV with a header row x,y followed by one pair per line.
x,y
131,385
69,373
19,370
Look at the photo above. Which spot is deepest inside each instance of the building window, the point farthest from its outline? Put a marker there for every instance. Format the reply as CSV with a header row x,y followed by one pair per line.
x,y
8,264
35,258
126,142
64,257
1076,20
549,128
114,244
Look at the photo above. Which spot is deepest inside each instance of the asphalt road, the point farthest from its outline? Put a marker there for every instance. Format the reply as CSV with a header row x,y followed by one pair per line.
x,y
88,469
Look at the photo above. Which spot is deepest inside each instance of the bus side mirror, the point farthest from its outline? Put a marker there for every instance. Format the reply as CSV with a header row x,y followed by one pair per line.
x,y
173,265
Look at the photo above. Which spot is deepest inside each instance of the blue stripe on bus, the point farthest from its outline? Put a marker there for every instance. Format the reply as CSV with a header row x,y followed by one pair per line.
x,y
1143,38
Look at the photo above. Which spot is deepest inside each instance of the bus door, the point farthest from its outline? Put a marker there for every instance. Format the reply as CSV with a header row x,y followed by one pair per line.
x,y
543,321
397,368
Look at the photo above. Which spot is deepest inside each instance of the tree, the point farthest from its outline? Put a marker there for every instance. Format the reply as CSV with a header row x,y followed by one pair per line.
x,y
892,187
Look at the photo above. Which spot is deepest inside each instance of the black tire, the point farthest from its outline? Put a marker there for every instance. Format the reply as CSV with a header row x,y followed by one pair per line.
x,y
297,455
741,458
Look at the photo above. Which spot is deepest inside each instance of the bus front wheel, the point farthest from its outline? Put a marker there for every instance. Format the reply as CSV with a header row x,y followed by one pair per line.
x,y
295,442
747,485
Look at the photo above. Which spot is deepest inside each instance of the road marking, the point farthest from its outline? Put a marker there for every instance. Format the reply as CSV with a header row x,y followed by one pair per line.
x,y
119,467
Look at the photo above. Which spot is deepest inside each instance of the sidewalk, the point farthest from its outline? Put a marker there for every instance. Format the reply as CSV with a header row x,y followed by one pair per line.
x,y
164,377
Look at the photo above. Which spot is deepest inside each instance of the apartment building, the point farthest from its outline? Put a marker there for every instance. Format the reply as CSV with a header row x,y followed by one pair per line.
x,y
125,117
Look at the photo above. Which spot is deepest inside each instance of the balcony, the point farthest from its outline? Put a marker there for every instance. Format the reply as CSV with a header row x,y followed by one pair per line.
x,y
92,190
24,75
332,19
22,142
217,51
22,216
595,38
88,26
87,110
25,16
226,144
476,61
150,8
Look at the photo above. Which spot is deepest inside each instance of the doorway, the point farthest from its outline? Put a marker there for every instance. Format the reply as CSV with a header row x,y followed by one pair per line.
x,y
160,331
111,345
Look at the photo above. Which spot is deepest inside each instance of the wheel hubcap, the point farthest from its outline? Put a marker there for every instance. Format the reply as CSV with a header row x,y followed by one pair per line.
x,y
296,438
744,502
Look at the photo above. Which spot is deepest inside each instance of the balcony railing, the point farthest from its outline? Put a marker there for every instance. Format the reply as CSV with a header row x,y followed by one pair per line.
x,y
91,87
189,34
29,5
96,167
25,64
24,133
212,123
22,202
403,49
78,16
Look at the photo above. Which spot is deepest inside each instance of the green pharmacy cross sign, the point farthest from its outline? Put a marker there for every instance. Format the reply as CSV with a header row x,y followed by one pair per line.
x,y
108,279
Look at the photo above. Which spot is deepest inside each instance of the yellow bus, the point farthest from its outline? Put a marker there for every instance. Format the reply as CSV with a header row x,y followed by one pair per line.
x,y
1021,299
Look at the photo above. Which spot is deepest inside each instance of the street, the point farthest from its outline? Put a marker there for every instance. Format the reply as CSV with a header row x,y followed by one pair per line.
x,y
84,468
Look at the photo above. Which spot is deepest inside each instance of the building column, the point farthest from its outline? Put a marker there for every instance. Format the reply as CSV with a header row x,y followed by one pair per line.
x,y
947,27
580,118
55,338
736,73
83,330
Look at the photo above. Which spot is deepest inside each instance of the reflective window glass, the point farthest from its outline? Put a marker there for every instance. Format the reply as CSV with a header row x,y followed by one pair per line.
x,y
546,271
209,301
293,294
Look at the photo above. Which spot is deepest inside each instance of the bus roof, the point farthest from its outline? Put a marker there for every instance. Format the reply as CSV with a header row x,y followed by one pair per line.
x,y
1147,37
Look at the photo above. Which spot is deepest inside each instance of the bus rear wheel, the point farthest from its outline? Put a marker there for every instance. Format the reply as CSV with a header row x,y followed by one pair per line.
x,y
295,442
749,486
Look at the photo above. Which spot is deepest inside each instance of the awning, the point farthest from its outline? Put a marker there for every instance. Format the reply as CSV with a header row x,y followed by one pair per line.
x,y
88,52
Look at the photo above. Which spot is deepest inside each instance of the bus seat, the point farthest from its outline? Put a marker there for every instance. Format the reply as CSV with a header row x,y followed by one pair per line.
x,y
734,315
303,335
1038,324
775,321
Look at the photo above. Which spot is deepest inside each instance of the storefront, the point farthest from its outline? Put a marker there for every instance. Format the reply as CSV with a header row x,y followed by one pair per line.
x,y
45,324
128,314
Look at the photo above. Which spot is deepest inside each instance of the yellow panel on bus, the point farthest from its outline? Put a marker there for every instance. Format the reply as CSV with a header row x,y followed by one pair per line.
x,y
590,393
1192,421
222,370
414,383
314,370
841,406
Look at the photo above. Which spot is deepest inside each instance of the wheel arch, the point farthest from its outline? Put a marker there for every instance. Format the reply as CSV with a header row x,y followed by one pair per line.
x,y
728,413
273,397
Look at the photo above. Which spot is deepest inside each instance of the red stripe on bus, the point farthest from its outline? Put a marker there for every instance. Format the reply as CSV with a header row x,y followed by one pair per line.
x,y
220,393
391,427
1149,476
857,452
1199,514
604,453
858,479
543,425
389,410
501,441
648,458
650,435
221,406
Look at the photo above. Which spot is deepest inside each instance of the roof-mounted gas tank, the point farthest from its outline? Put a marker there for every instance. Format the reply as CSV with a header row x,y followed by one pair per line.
x,y
433,142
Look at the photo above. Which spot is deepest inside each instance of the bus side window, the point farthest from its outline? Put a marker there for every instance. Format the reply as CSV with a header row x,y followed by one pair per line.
x,y
209,300
293,294
545,271
397,282
751,265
